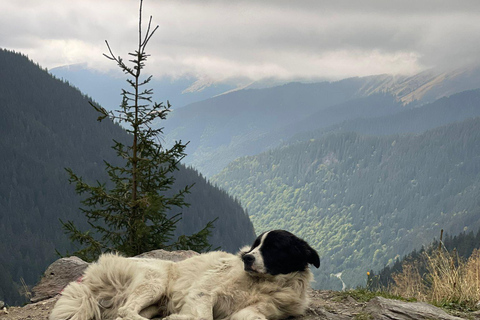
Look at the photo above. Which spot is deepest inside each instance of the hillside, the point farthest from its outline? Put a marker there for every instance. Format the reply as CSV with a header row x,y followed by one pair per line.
x,y
362,201
248,122
455,108
426,86
47,125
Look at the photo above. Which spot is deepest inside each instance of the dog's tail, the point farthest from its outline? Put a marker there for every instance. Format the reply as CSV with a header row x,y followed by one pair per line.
x,y
76,303
102,290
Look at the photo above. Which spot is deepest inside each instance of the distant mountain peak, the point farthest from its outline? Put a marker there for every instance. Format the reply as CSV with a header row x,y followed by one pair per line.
x,y
425,86
199,85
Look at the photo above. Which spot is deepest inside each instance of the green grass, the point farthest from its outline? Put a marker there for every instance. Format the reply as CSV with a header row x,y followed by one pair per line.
x,y
363,316
364,295
456,306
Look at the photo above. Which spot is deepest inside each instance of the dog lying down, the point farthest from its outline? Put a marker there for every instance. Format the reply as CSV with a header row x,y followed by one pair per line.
x,y
266,281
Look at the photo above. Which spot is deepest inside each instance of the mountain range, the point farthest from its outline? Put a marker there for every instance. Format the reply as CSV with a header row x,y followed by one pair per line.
x,y
247,122
224,121
106,87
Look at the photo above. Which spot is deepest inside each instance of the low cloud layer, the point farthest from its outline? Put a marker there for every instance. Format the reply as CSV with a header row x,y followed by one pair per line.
x,y
251,39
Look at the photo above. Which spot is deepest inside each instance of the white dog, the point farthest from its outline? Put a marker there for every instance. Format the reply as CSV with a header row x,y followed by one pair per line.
x,y
267,281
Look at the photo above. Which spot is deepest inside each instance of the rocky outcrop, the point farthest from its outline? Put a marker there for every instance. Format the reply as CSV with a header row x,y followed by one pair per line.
x,y
332,305
57,276
386,309
328,305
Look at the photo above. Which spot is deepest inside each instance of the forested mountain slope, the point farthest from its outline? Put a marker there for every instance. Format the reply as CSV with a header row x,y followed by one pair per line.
x,y
45,126
426,86
362,200
247,122
457,107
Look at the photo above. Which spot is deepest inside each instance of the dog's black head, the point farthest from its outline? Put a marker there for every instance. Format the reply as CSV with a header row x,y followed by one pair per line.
x,y
279,252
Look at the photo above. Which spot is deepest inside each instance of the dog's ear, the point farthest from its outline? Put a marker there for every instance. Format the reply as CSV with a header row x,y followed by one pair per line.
x,y
243,251
312,257
309,253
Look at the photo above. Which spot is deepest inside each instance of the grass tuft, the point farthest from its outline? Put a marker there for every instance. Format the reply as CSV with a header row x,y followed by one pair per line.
x,y
450,281
365,295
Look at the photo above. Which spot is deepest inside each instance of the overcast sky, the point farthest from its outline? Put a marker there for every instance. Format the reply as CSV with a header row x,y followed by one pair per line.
x,y
286,39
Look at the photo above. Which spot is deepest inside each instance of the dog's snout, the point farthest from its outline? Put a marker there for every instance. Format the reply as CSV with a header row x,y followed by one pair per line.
x,y
248,259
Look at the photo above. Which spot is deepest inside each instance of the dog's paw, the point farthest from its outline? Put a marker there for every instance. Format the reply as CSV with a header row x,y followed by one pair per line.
x,y
177,316
131,317
127,314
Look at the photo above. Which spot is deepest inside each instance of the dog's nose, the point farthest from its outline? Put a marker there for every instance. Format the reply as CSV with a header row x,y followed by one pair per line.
x,y
248,259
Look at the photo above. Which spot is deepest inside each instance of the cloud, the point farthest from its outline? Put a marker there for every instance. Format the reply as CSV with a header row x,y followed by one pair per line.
x,y
254,39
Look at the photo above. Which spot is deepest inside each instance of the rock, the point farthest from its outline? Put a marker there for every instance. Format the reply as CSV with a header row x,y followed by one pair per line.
x,y
57,276
326,304
475,315
2,304
385,309
175,256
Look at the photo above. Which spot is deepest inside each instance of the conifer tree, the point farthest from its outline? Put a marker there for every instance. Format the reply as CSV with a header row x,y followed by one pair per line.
x,y
131,214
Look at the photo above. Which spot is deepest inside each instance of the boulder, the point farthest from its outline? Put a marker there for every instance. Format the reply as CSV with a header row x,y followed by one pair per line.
x,y
385,309
57,276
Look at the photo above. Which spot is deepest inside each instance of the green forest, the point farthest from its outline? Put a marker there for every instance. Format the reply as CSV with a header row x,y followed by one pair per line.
x,y
47,125
363,201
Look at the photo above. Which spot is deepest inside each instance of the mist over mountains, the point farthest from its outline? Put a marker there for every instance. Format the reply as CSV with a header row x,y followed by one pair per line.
x,y
105,88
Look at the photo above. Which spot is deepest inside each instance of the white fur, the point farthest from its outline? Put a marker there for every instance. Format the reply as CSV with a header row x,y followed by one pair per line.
x,y
259,265
208,286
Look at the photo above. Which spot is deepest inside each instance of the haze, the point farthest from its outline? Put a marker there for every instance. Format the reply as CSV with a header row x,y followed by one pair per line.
x,y
221,40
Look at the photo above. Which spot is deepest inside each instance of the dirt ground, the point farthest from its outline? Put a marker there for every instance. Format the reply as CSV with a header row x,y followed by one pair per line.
x,y
323,306
328,305
35,311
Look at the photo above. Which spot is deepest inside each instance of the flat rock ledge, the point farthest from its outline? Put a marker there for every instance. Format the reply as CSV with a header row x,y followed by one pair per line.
x,y
332,305
328,305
